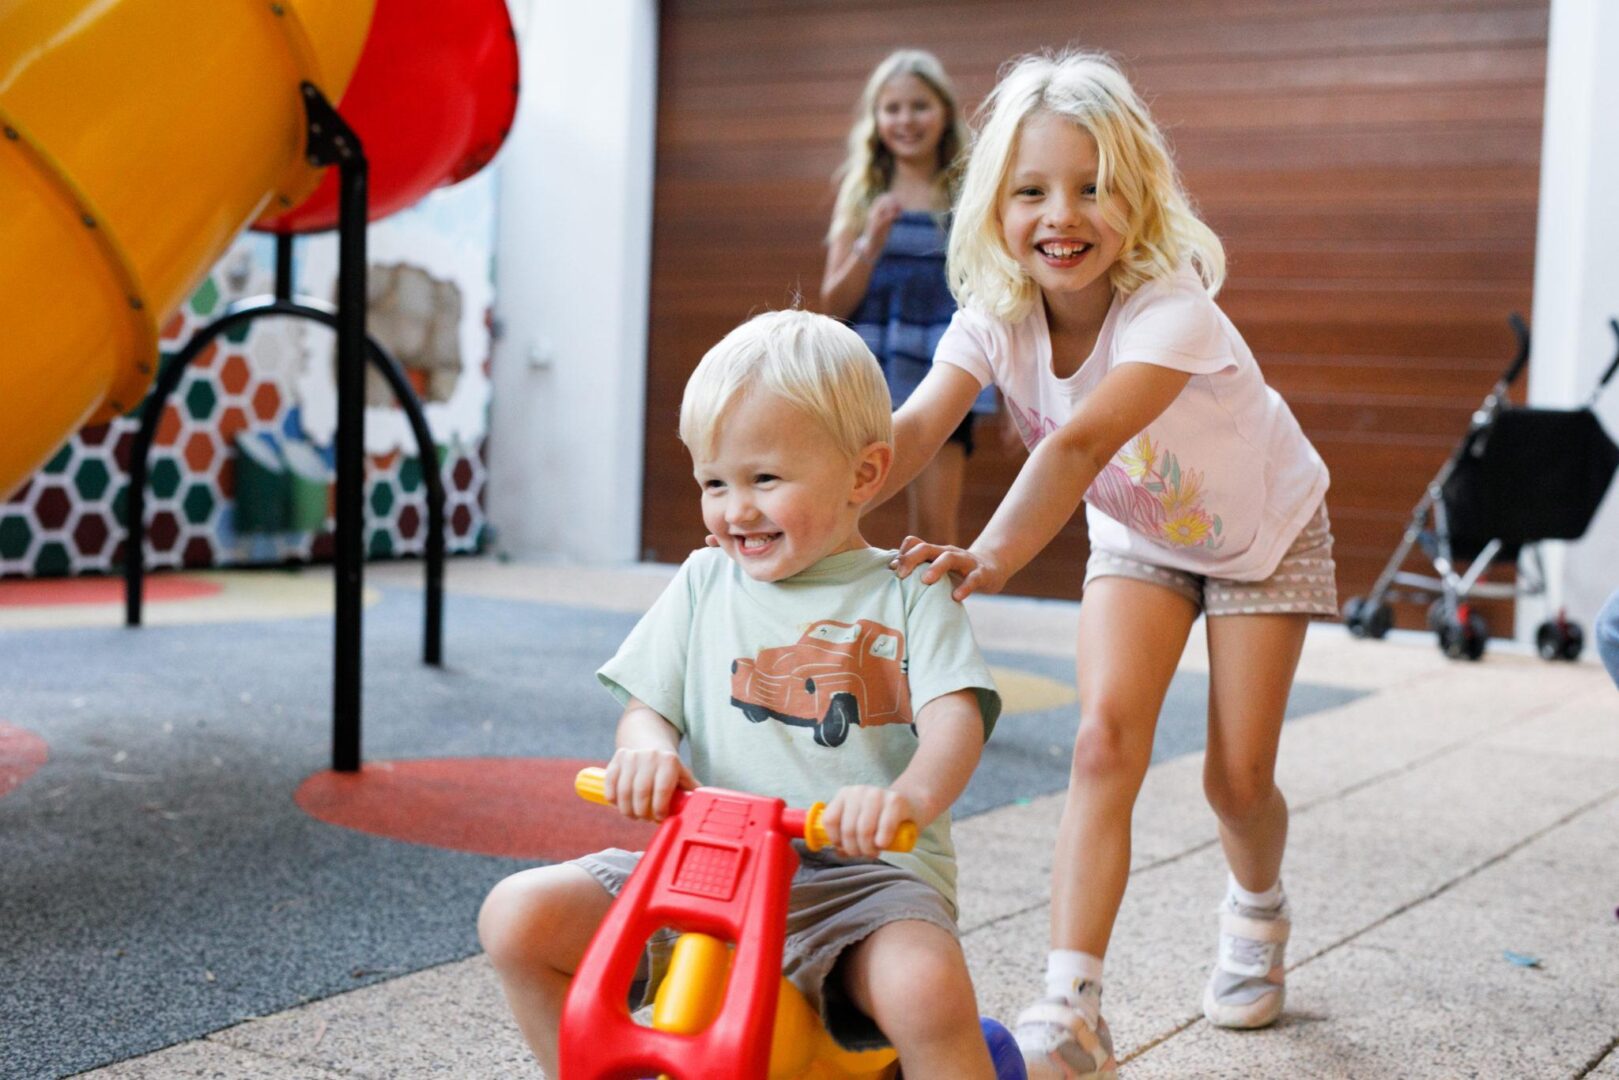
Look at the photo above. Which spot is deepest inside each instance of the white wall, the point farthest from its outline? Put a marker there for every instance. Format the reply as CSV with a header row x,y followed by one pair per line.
x,y
1577,276
573,259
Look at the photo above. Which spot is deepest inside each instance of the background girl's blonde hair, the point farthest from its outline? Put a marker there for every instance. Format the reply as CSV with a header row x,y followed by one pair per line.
x,y
816,363
868,170
1159,228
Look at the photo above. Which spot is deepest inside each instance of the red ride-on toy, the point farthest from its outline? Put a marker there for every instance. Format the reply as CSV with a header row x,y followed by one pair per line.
x,y
718,870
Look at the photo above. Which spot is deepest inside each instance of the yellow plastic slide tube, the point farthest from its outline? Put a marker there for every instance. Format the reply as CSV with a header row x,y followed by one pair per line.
x,y
139,138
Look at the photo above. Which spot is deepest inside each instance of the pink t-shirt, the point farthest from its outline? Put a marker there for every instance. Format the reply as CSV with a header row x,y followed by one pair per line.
x,y
1219,484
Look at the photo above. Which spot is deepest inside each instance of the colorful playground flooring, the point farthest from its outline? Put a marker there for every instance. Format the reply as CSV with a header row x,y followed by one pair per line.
x,y
183,871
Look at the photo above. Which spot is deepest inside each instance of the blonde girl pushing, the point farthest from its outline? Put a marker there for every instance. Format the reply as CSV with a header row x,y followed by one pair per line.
x,y
1086,283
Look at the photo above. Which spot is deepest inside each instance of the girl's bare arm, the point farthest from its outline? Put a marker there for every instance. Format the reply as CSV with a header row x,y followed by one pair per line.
x,y
935,409
1051,484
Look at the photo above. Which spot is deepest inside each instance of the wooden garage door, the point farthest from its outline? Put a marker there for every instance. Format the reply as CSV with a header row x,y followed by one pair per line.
x,y
1372,166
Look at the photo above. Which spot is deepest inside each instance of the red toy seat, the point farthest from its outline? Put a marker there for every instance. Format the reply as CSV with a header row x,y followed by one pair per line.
x,y
720,864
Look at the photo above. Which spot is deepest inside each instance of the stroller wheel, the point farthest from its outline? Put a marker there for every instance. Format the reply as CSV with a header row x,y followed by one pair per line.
x,y
1436,615
1574,643
1367,620
1464,639
1559,640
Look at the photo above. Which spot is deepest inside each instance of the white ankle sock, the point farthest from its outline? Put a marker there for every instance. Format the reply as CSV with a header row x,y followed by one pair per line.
x,y
1076,976
1270,899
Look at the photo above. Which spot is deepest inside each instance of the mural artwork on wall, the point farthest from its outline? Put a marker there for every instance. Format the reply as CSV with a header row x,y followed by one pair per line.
x,y
241,467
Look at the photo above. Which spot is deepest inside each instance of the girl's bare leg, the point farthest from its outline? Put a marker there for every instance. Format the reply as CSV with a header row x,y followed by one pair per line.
x,y
1131,635
1252,659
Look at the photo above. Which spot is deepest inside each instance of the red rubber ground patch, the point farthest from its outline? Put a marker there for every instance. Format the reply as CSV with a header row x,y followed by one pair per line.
x,y
47,592
21,755
523,808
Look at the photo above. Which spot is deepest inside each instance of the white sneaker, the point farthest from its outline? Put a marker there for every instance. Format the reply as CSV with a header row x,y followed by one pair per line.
x,y
1058,1043
1246,988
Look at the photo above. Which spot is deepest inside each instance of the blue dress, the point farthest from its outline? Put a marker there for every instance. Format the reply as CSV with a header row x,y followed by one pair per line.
x,y
908,306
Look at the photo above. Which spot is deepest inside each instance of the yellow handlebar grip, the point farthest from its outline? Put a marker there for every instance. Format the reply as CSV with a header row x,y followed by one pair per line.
x,y
591,785
815,833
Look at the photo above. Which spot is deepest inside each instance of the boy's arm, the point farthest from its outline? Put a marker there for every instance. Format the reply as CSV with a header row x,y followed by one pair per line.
x,y
950,740
862,820
646,768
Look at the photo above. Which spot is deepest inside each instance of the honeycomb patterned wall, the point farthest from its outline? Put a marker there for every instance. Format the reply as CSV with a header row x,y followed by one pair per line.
x,y
69,518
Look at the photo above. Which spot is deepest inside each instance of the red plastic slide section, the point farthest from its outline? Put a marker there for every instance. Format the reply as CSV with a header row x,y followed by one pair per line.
x,y
432,99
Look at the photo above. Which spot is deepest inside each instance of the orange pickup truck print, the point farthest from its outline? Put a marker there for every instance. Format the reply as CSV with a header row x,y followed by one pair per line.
x,y
836,676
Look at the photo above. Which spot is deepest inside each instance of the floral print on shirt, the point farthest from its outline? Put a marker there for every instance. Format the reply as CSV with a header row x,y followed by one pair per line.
x,y
1156,498
1145,488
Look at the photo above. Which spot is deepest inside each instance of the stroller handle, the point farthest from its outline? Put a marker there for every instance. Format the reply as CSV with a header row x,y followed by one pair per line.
x,y
1614,366
1522,358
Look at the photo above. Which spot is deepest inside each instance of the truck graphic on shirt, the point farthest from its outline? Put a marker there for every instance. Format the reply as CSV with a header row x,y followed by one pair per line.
x,y
837,675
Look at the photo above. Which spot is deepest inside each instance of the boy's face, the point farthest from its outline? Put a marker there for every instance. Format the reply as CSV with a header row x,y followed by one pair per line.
x,y
777,494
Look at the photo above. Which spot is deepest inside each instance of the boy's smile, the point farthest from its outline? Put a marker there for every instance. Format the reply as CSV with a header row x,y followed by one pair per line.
x,y
777,493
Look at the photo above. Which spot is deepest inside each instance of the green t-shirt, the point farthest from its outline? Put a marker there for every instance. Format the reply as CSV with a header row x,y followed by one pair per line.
x,y
799,687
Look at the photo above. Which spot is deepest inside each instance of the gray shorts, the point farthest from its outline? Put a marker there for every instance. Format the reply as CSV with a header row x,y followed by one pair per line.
x,y
833,904
1304,583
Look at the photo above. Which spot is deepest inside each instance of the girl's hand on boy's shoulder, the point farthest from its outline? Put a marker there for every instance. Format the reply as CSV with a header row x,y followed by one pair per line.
x,y
861,820
641,782
971,571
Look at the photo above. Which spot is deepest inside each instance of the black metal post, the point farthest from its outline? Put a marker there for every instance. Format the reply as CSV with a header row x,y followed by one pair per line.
x,y
283,266
333,142
141,451
330,142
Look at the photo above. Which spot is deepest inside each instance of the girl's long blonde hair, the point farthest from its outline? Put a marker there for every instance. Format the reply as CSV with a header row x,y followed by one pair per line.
x,y
1159,229
868,170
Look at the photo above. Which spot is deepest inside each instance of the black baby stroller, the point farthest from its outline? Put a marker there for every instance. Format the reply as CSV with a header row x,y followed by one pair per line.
x,y
1520,475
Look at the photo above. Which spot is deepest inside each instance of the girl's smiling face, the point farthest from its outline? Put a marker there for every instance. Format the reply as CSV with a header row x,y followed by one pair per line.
x,y
777,493
1051,218
910,119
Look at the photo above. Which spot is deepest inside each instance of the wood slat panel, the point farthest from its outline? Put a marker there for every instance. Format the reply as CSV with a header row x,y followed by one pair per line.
x,y
1372,165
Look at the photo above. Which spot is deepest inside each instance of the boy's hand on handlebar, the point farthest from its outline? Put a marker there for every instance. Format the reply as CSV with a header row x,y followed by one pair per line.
x,y
641,782
862,820
972,572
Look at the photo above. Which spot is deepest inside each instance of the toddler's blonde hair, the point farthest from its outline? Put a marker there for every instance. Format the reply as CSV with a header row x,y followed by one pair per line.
x,y
1159,228
868,170
816,363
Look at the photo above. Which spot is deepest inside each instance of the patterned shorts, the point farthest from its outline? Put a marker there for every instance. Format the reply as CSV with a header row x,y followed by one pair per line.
x,y
1304,583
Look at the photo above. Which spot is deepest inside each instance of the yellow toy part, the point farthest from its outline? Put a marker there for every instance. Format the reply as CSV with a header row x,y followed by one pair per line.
x,y
139,138
691,993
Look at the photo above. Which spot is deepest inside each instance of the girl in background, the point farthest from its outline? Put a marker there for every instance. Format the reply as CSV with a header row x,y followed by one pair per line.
x,y
1086,283
886,251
